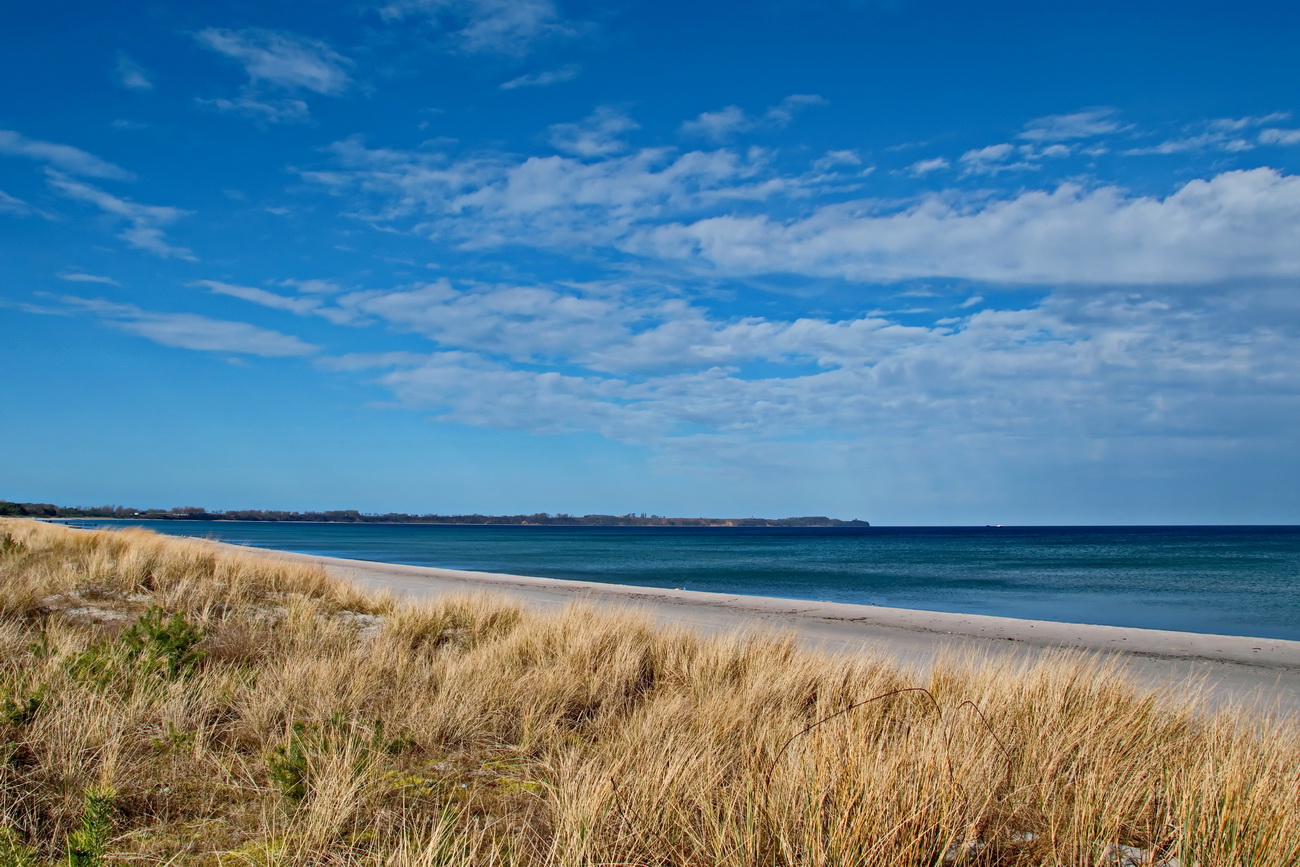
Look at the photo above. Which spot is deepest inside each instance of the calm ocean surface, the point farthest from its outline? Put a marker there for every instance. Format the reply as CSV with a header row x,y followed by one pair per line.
x,y
1231,580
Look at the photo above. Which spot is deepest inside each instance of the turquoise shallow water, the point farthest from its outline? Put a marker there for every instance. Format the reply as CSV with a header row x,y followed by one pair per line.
x,y
1230,580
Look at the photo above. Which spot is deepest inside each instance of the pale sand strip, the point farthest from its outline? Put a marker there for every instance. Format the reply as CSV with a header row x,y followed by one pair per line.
x,y
1260,671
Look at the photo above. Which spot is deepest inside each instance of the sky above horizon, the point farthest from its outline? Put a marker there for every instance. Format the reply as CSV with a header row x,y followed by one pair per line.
x,y
909,262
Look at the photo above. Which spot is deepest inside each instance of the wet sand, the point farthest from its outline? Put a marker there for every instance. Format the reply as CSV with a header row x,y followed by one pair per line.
x,y
1261,672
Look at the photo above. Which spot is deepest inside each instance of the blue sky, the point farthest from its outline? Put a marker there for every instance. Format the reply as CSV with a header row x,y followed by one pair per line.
x,y
911,262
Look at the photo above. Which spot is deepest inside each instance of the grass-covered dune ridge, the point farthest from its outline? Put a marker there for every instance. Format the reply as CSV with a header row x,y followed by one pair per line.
x,y
172,701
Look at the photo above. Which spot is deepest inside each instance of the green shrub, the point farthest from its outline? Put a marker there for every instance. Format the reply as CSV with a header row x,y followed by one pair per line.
x,y
164,646
173,739
14,852
153,648
288,764
18,710
12,547
86,844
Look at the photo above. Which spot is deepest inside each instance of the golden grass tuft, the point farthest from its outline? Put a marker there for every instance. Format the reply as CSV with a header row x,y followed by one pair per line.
x,y
300,720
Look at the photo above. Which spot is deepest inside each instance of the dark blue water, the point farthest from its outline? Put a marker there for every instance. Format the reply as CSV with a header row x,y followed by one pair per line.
x,y
1230,580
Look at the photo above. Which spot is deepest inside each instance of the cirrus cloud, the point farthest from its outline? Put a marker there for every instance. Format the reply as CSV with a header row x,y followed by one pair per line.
x,y
283,60
509,27
183,330
66,158
144,223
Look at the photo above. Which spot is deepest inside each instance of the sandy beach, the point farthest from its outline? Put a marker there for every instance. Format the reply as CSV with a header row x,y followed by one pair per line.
x,y
1263,673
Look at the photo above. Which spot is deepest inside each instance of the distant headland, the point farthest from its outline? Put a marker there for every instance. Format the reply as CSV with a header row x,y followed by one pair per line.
x,y
352,516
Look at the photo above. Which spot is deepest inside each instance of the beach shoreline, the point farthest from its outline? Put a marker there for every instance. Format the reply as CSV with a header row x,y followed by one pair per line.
x,y
1261,672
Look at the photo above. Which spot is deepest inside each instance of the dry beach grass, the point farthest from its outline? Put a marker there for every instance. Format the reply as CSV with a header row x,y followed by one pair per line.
x,y
169,701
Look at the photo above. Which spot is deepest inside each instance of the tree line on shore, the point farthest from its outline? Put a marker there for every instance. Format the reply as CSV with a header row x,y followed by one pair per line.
x,y
352,516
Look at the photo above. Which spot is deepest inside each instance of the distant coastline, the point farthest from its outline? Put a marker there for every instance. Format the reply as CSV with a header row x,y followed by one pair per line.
x,y
352,516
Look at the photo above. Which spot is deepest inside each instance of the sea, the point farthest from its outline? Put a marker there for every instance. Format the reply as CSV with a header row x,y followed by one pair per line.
x,y
1221,579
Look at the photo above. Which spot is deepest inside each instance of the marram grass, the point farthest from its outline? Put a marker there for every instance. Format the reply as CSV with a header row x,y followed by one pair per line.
x,y
172,702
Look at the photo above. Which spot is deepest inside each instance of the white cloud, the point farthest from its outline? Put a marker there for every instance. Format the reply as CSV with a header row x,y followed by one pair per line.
x,y
558,201
82,277
1159,322
1280,136
132,75
921,168
523,323
145,223
511,27
1233,124
598,135
1202,142
783,113
472,390
282,59
1088,123
728,213
545,78
261,296
726,122
270,111
832,159
489,200
1117,364
315,287
718,125
656,203
996,159
1237,225
691,340
64,157
607,329
13,205
1222,134
356,361
190,331
987,160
